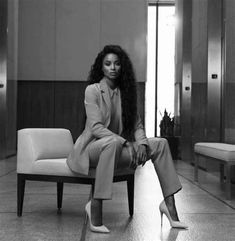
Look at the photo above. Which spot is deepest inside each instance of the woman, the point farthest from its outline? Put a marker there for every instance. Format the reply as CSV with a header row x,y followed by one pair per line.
x,y
114,136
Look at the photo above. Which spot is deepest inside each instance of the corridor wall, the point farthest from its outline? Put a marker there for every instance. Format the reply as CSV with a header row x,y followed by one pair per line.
x,y
211,111
58,42
229,72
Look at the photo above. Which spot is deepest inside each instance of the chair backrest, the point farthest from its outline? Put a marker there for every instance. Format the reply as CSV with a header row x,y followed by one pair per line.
x,y
42,143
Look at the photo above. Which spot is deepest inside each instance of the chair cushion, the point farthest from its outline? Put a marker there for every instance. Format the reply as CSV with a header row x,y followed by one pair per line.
x,y
221,151
56,167
59,167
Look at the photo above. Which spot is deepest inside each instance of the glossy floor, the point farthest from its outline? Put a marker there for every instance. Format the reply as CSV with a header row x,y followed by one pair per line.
x,y
210,217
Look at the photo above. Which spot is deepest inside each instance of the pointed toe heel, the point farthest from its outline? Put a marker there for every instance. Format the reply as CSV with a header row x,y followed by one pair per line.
x,y
174,224
96,229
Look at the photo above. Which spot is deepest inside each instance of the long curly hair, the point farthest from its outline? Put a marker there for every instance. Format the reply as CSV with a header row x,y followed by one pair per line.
x,y
126,83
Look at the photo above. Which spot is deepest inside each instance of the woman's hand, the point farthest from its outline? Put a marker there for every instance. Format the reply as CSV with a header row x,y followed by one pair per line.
x,y
141,155
132,152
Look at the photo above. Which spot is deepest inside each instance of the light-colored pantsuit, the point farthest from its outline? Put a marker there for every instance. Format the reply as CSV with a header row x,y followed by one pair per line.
x,y
102,146
107,154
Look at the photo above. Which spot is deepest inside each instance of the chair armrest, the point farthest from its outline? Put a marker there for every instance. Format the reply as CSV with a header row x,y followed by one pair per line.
x,y
41,143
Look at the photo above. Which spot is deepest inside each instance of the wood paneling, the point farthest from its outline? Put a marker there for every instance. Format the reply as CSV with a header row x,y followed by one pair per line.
x,y
69,107
35,104
57,104
11,117
199,108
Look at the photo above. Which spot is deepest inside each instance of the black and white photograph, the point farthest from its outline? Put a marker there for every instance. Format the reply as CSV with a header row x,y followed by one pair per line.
x,y
117,120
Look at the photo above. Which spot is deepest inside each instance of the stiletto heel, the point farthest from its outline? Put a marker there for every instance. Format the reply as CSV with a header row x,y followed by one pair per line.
x,y
97,229
174,224
161,214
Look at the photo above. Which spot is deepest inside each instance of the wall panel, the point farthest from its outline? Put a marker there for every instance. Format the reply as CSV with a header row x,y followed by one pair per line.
x,y
69,107
214,68
199,41
3,76
59,39
35,105
12,50
133,15
77,38
36,55
229,88
199,70
58,43
184,75
230,38
199,108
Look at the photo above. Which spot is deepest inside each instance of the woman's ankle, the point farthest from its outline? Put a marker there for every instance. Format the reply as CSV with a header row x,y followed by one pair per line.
x,y
170,203
96,212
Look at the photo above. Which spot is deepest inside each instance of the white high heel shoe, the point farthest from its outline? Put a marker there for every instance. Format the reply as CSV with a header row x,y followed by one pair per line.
x,y
97,229
174,224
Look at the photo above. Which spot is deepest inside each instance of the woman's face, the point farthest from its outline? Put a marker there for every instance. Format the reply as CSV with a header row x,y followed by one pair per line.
x,y
111,66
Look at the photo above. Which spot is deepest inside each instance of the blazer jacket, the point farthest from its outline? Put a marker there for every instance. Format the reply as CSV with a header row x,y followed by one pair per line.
x,y
98,111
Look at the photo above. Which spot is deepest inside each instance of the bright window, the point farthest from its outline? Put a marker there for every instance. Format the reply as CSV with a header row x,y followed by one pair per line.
x,y
164,46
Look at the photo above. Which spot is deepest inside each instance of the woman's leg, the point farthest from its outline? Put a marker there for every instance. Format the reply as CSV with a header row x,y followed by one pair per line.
x,y
161,157
104,155
170,203
96,211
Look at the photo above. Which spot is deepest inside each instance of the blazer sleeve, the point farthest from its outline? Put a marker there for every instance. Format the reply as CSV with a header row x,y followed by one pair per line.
x,y
139,133
95,119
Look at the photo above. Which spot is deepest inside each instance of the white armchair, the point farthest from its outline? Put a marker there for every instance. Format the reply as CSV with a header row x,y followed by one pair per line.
x,y
41,156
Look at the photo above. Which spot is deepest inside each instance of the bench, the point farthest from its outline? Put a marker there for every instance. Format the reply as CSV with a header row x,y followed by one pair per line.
x,y
221,152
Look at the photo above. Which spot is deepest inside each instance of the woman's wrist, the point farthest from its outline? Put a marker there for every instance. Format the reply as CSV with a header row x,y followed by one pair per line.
x,y
144,146
126,143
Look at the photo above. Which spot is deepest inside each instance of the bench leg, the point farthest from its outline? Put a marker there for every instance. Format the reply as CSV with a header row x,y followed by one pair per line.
x,y
130,190
196,159
228,181
60,187
20,194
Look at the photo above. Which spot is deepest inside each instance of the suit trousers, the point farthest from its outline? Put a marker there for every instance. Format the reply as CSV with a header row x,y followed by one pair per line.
x,y
107,154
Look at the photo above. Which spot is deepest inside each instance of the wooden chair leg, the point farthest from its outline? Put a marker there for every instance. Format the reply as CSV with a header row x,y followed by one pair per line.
x,y
196,159
130,190
92,189
228,181
60,187
20,193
